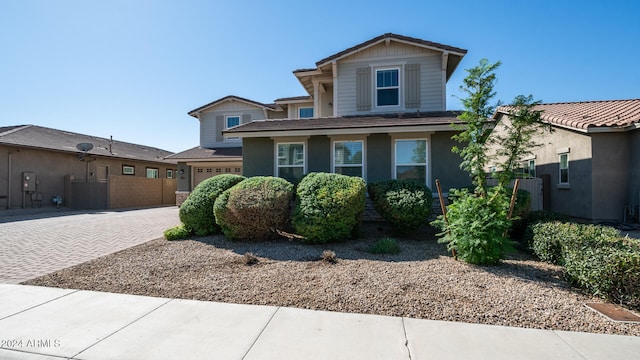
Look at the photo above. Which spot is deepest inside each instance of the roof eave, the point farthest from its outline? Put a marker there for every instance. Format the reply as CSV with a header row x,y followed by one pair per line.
x,y
341,131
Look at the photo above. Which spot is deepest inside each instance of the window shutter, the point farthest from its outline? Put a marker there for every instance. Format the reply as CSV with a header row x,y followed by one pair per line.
x,y
412,86
246,118
363,89
219,127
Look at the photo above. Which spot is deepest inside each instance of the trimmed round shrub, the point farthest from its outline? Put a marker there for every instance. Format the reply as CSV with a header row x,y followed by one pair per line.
x,y
254,208
196,212
328,207
405,204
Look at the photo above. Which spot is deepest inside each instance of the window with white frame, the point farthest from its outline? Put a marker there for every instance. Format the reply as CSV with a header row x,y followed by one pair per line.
x,y
529,168
564,168
305,112
290,162
388,87
231,121
348,158
411,160
152,173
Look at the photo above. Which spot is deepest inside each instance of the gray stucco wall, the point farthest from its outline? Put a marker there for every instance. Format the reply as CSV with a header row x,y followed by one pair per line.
x,y
184,179
445,165
257,155
610,176
319,153
378,157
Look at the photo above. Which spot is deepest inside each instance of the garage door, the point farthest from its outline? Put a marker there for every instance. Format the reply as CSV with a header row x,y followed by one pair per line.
x,y
203,173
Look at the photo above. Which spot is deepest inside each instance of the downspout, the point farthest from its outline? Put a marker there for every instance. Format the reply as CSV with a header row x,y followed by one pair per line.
x,y
9,180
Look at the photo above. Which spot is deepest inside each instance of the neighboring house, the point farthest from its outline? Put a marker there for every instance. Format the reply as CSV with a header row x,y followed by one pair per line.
x,y
39,163
591,161
375,110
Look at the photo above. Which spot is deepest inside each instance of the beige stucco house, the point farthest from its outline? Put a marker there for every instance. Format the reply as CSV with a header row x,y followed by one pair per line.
x,y
590,163
39,163
375,110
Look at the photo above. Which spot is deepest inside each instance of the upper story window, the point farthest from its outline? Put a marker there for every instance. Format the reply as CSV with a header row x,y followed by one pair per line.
x,y
231,121
387,87
305,112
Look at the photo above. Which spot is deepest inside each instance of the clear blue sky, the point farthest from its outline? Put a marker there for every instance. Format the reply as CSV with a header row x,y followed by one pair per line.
x,y
134,68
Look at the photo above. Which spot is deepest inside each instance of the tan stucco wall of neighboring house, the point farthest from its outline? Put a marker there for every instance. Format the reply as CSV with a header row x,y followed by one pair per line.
x,y
576,198
610,175
633,189
51,167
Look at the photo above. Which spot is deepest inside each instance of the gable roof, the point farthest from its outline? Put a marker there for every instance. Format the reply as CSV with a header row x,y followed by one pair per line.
x,y
200,153
391,36
196,111
426,121
589,116
39,137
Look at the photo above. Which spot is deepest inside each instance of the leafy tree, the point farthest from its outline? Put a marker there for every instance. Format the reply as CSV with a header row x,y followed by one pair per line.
x,y
477,223
476,130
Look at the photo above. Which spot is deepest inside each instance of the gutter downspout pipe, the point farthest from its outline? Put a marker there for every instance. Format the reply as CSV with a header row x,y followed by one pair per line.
x,y
9,180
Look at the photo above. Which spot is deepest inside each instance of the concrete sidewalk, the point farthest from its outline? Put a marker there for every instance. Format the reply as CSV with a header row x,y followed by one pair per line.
x,y
49,323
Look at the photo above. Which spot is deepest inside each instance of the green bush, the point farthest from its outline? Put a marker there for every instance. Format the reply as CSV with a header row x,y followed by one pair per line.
x,y
522,229
550,240
196,212
328,207
595,258
254,208
177,233
477,227
385,246
405,204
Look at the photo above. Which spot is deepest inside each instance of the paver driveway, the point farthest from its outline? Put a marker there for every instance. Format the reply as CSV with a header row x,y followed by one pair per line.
x,y
30,248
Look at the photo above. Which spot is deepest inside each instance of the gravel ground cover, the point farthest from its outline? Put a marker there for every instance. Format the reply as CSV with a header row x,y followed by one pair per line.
x,y
422,281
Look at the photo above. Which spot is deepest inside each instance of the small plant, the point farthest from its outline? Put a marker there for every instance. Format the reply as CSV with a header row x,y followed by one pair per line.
x,y
385,246
177,233
329,256
250,259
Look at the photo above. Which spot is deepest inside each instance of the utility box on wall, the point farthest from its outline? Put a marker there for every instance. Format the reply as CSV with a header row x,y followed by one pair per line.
x,y
28,181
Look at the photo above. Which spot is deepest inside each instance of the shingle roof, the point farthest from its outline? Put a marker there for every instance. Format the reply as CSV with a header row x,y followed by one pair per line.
x,y
231,97
204,153
293,98
391,36
59,140
588,115
349,122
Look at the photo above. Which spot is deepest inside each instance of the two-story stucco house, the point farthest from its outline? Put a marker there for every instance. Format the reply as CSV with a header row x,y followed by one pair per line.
x,y
375,110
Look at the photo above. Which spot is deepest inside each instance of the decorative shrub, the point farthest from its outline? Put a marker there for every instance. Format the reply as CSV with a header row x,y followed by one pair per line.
x,y
595,258
328,207
196,212
405,204
477,227
254,208
385,246
177,233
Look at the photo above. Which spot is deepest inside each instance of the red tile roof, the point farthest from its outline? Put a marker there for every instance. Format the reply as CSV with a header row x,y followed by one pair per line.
x,y
588,115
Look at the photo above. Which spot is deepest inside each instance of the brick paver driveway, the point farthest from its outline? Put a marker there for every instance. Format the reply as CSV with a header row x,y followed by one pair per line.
x,y
34,247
